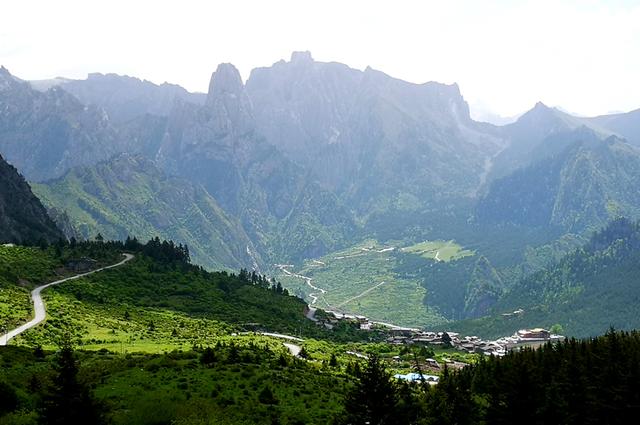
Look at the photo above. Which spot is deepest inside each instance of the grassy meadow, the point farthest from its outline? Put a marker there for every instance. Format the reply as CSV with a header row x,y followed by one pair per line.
x,y
364,279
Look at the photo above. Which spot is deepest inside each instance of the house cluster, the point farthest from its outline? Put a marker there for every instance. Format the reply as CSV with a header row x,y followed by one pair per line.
x,y
523,338
333,318
470,344
529,338
473,344
416,336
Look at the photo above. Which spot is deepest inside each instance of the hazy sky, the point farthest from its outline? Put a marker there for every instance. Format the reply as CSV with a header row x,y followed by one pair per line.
x,y
506,55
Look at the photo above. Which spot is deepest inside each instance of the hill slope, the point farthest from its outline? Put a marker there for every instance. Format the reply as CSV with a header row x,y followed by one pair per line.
x,y
581,182
586,292
128,195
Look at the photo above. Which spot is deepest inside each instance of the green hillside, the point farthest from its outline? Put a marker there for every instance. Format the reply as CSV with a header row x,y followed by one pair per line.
x,y
240,383
130,196
586,292
580,182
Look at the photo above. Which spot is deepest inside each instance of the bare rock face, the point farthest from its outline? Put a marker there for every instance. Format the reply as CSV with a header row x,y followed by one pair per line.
x,y
228,102
23,219
370,137
125,98
45,134
217,145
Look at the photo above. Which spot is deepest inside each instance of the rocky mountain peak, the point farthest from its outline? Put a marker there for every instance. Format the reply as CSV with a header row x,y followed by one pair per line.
x,y
6,79
228,102
540,114
301,57
225,81
540,106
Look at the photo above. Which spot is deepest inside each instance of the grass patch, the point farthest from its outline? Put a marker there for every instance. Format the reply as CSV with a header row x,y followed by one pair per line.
x,y
439,250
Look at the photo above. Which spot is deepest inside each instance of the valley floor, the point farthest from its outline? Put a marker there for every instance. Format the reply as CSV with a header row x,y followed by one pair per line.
x,y
362,280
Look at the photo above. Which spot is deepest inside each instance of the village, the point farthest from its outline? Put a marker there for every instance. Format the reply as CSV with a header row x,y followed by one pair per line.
x,y
470,344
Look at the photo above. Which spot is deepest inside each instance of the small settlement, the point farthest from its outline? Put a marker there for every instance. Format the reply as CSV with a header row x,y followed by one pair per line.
x,y
470,344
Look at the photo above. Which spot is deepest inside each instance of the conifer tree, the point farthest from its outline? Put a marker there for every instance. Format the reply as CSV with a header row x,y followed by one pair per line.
x,y
68,401
373,400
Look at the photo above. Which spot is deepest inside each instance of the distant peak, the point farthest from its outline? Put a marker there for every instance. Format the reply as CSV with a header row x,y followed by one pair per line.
x,y
301,57
539,104
6,79
227,96
539,109
4,72
226,79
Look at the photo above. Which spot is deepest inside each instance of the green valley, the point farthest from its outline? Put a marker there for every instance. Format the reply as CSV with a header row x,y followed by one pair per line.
x,y
368,279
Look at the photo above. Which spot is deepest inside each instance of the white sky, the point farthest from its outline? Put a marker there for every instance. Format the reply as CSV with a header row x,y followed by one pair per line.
x,y
581,55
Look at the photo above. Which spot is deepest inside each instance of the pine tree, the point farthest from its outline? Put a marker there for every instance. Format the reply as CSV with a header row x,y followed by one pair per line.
x,y
333,362
266,396
68,401
208,357
373,400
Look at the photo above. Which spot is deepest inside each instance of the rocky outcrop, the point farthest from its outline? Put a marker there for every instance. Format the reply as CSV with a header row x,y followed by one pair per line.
x,y
217,145
370,138
23,219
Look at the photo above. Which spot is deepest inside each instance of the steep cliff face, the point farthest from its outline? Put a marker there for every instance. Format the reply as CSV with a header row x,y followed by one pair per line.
x,y
217,145
23,219
369,137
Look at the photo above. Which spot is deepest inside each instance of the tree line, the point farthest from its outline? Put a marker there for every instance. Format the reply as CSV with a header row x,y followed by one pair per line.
x,y
595,381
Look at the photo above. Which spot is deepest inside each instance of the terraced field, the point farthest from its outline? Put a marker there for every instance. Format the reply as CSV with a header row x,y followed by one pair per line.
x,y
362,280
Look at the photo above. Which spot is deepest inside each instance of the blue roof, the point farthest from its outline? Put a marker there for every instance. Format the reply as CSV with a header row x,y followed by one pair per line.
x,y
416,377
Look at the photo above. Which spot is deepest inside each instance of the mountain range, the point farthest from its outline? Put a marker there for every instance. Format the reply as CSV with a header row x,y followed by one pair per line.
x,y
307,158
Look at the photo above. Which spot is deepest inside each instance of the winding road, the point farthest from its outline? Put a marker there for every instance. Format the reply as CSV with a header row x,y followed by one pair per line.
x,y
294,349
314,296
38,304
